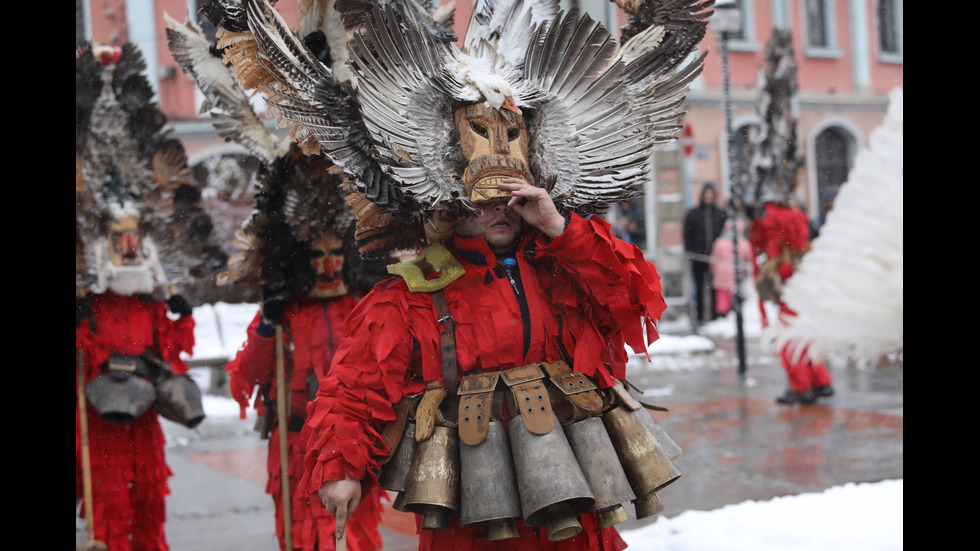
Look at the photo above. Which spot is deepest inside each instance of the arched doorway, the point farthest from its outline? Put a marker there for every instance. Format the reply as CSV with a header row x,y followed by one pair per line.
x,y
833,153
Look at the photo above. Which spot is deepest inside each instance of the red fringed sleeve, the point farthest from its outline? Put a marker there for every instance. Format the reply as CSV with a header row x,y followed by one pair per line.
x,y
608,295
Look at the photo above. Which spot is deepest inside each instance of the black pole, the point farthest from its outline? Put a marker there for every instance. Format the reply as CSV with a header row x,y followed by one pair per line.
x,y
732,172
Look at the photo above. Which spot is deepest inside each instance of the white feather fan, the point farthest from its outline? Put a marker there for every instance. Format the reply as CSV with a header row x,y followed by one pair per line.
x,y
848,290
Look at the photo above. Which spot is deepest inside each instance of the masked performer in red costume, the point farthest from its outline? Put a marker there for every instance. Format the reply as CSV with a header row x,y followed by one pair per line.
x,y
782,236
484,383
309,304
779,231
138,234
298,245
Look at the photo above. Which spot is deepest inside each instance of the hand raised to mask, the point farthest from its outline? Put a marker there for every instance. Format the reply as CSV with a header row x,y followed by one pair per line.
x,y
535,206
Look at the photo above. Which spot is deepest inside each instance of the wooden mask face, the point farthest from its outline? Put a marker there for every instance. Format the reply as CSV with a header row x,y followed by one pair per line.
x,y
329,263
495,143
125,242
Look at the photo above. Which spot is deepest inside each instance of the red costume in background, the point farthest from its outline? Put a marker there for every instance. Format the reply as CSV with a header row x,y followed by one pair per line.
x,y
312,327
783,235
129,471
600,288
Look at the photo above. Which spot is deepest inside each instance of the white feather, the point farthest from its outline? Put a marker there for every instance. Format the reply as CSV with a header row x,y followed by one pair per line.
x,y
848,291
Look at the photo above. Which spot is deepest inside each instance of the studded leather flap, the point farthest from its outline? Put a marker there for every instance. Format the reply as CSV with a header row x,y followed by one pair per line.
x,y
475,403
534,403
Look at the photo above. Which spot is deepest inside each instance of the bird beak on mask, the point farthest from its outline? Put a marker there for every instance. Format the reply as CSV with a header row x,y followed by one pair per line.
x,y
510,110
495,143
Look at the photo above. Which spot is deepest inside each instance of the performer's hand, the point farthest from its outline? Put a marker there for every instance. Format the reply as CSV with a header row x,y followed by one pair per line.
x,y
340,497
535,206
179,305
83,309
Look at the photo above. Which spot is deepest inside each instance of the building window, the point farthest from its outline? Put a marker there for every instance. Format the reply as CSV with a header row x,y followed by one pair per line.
x,y
833,164
743,39
817,24
741,33
889,28
819,29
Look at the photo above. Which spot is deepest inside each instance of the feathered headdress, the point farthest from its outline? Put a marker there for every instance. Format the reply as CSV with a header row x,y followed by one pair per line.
x,y
775,156
300,196
595,110
126,163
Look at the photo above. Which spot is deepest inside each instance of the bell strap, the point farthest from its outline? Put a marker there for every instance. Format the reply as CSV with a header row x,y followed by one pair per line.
x,y
582,400
393,430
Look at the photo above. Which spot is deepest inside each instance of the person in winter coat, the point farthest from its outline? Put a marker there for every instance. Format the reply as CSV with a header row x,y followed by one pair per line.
x,y
522,285
723,265
702,226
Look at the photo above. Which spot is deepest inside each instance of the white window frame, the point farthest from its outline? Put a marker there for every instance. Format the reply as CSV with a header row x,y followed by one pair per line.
x,y
832,48
898,24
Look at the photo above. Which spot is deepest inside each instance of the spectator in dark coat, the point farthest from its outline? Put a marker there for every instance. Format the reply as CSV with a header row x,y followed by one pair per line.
x,y
702,225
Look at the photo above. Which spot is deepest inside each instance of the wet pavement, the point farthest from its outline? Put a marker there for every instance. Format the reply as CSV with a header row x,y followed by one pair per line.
x,y
738,445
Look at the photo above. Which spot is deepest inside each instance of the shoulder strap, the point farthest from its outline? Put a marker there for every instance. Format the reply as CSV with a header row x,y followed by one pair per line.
x,y
448,341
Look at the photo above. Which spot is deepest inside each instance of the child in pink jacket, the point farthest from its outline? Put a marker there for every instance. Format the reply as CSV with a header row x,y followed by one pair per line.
x,y
723,266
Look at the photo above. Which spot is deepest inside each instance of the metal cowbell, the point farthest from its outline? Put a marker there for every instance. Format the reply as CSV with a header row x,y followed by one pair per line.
x,y
433,485
488,493
554,491
120,396
394,475
179,399
600,463
647,466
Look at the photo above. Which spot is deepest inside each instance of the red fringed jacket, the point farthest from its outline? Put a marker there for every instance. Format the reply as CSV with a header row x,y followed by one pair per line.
x,y
595,291
129,471
781,228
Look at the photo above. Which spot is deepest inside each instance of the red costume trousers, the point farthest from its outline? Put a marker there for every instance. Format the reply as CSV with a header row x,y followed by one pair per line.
x,y
129,482
802,373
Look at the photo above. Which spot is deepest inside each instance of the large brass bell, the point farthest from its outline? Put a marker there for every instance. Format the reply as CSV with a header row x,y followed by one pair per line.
x,y
394,475
488,493
596,455
648,505
120,396
647,466
670,447
433,486
554,491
